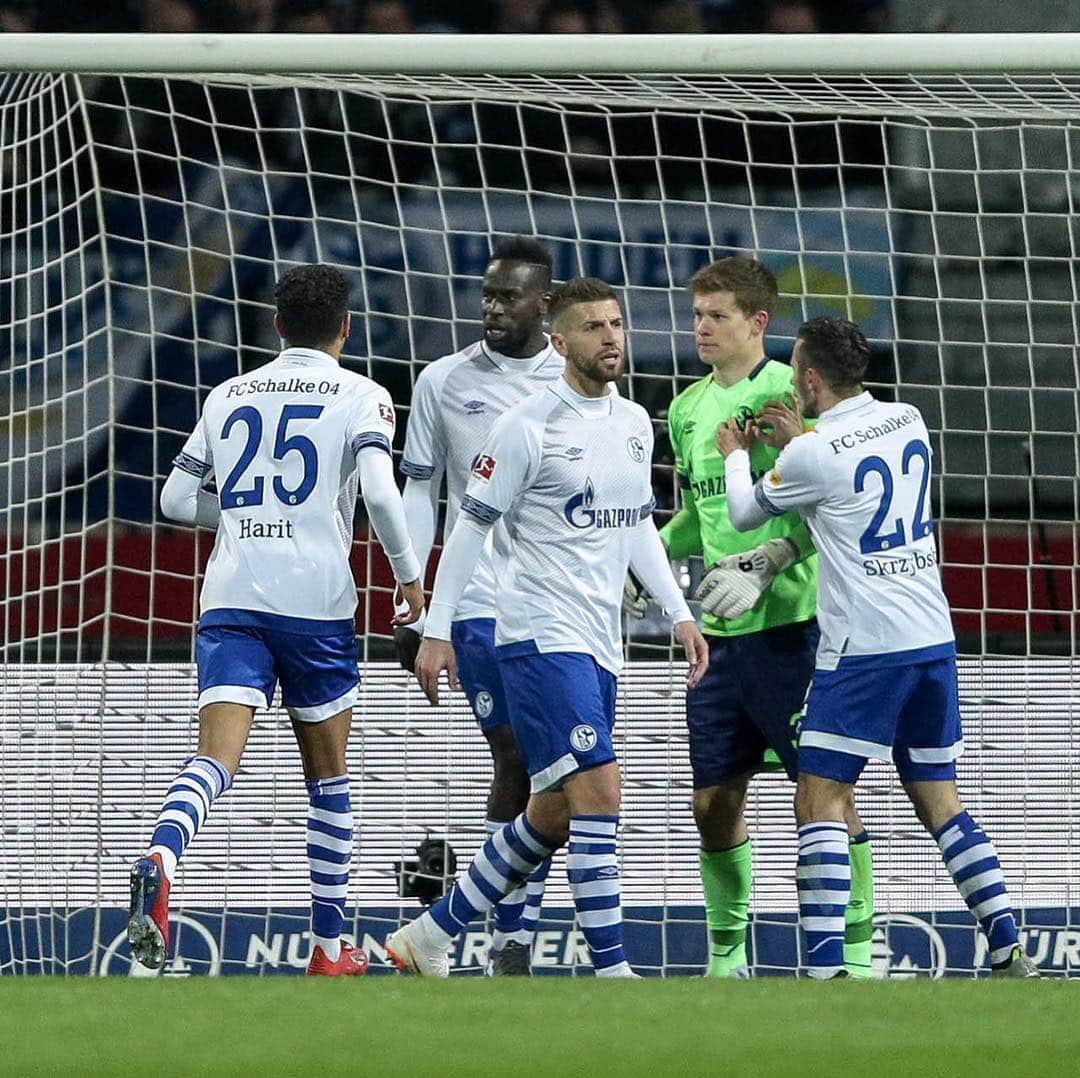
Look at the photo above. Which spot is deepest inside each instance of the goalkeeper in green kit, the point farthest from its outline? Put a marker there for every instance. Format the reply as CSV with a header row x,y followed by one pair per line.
x,y
758,608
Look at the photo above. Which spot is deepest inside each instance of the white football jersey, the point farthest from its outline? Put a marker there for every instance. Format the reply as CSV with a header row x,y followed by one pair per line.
x,y
455,403
570,478
281,444
861,481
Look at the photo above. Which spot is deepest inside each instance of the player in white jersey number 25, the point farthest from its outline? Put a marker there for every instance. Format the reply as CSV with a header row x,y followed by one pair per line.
x,y
884,684
287,445
569,468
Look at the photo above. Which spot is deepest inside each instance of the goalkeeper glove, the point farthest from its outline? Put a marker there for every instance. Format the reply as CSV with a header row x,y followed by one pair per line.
x,y
635,599
735,583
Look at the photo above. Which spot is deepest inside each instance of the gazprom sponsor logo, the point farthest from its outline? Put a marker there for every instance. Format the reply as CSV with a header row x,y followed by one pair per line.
x,y
580,513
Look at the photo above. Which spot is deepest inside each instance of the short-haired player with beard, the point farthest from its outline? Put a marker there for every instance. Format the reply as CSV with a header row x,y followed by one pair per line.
x,y
456,401
568,470
884,684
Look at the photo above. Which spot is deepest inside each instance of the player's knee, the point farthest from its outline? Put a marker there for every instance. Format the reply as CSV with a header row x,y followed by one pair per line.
x,y
935,803
549,814
510,780
718,813
854,822
820,799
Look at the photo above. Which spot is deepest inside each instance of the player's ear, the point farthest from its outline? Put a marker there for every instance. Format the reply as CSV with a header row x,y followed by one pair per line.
x,y
761,321
558,341
345,326
277,326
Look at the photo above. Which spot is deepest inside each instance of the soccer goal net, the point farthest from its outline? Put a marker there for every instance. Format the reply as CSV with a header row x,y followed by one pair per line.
x,y
143,220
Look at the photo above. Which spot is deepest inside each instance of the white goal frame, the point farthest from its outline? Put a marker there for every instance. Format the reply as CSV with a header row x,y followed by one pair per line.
x,y
978,77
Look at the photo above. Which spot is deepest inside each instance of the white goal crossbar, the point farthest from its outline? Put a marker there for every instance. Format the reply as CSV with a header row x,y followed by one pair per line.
x,y
541,53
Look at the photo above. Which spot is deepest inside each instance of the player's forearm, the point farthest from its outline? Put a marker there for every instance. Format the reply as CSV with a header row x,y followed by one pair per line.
x,y
804,542
459,558
421,501
184,500
681,535
743,509
386,513
650,564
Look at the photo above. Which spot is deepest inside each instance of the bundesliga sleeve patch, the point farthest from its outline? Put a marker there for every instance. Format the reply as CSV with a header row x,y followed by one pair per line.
x,y
386,413
484,467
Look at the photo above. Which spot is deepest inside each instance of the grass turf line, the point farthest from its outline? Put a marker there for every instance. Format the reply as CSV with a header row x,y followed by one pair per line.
x,y
405,1026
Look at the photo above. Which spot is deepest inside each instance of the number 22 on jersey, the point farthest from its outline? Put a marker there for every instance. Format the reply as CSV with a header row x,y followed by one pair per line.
x,y
872,541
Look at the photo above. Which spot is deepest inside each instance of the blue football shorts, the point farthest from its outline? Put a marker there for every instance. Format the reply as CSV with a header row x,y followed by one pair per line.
x,y
242,664
905,709
749,701
562,710
478,670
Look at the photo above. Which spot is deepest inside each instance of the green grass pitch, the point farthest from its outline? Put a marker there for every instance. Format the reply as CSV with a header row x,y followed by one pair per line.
x,y
546,1026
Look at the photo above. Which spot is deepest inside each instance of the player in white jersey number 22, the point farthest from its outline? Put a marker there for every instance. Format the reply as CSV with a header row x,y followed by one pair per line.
x,y
569,471
287,445
884,685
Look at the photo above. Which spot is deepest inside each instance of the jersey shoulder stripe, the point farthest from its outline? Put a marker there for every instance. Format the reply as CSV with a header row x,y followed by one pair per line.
x,y
486,514
371,438
192,465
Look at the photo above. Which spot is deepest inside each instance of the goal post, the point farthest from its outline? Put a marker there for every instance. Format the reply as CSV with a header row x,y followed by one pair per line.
x,y
151,190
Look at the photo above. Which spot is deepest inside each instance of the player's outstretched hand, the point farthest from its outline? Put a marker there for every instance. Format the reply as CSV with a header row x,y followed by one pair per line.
x,y
697,651
413,594
635,599
735,583
434,657
730,436
783,421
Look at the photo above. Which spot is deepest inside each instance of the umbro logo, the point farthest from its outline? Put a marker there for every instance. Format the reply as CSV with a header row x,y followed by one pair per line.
x,y
688,426
475,407
571,452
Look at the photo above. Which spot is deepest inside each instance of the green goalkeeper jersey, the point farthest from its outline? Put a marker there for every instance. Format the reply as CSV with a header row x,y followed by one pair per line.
x,y
703,526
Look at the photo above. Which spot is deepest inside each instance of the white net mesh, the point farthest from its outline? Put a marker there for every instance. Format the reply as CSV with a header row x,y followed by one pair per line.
x,y
144,221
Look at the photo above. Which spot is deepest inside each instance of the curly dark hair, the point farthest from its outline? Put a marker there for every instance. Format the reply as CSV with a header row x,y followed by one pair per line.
x,y
311,304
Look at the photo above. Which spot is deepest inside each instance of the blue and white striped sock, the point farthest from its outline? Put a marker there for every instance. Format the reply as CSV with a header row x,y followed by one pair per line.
x,y
329,850
823,878
505,859
592,868
507,910
534,899
201,782
973,864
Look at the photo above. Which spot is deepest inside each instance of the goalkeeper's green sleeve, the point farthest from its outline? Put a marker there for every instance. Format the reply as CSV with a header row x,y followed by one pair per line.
x,y
800,536
682,533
